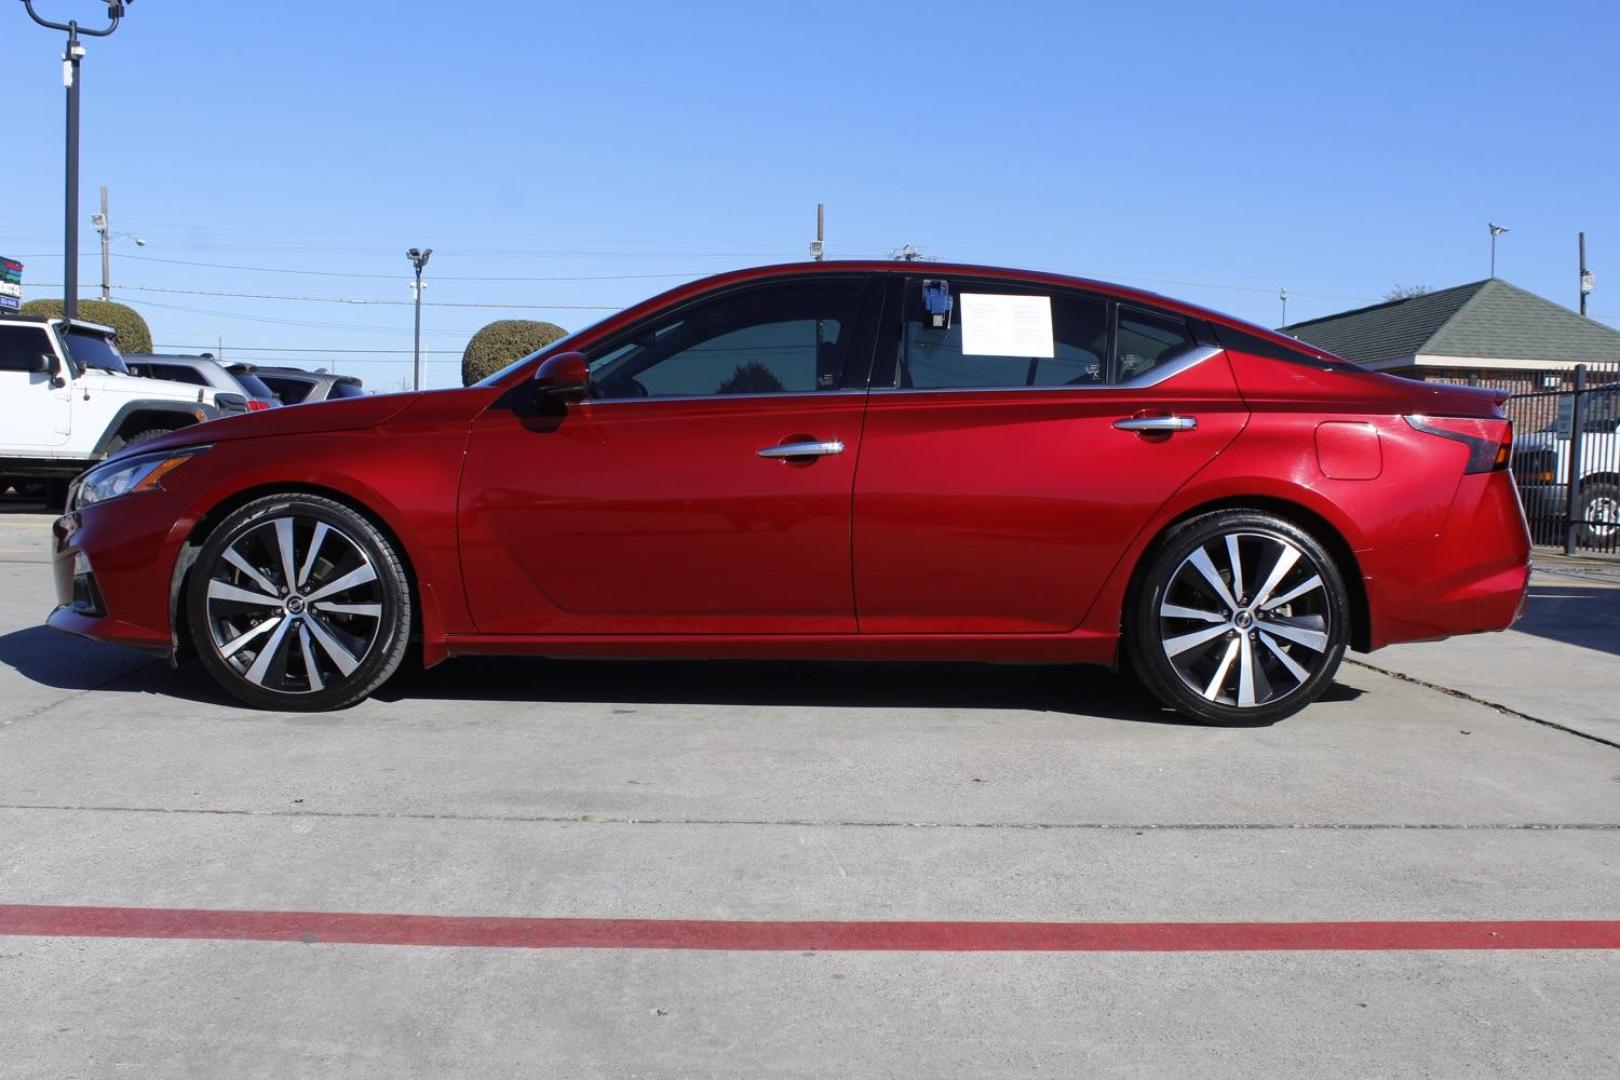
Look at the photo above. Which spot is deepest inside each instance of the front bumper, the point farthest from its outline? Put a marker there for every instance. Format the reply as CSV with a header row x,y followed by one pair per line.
x,y
113,568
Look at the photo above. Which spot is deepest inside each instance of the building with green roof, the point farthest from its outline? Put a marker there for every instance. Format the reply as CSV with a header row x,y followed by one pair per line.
x,y
1488,332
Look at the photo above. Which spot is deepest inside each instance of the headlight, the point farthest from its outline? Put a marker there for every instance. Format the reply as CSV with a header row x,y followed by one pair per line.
x,y
125,475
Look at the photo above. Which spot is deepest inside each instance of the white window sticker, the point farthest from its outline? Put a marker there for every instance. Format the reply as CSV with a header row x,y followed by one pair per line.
x,y
1006,325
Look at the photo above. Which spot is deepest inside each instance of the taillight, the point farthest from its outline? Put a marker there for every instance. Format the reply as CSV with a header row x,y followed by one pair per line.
x,y
1489,441
255,405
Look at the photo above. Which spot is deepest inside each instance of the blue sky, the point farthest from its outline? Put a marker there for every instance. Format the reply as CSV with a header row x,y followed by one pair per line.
x,y
610,150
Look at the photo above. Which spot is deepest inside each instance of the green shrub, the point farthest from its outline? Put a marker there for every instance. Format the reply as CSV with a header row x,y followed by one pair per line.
x,y
134,336
502,342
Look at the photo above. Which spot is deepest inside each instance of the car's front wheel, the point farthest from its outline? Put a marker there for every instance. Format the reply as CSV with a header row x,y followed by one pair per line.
x,y
299,602
1240,618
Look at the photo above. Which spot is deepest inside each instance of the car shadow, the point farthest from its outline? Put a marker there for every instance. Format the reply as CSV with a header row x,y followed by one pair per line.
x,y
49,658
1584,615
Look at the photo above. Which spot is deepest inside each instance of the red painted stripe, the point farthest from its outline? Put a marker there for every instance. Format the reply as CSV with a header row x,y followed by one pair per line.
x,y
515,933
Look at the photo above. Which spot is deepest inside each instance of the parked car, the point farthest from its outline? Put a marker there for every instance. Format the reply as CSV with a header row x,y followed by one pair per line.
x,y
294,386
1542,462
67,401
204,370
830,460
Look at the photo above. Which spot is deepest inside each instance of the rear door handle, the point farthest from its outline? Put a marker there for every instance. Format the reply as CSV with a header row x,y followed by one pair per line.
x,y
1151,424
803,449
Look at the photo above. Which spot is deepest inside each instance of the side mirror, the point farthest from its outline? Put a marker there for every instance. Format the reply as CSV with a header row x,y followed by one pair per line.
x,y
43,363
231,403
566,377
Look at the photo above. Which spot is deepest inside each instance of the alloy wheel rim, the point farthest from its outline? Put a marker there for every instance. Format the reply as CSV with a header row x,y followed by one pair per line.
x,y
294,604
1603,516
1246,619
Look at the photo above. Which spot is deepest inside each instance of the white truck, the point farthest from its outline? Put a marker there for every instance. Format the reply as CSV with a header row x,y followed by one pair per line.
x,y
1541,464
67,401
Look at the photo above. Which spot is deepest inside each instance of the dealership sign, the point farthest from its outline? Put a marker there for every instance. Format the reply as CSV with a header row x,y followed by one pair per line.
x,y
10,284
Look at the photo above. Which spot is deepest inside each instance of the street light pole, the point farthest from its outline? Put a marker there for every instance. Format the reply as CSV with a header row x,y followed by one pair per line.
x,y
419,259
1496,230
70,76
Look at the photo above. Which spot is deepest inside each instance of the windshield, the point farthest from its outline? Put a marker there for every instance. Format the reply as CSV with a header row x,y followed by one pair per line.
x,y
1600,414
93,350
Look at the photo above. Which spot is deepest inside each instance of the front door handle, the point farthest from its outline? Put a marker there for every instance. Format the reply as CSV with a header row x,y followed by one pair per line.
x,y
1152,424
803,449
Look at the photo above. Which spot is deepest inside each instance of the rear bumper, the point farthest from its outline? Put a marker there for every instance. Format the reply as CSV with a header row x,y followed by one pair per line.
x,y
112,564
1470,578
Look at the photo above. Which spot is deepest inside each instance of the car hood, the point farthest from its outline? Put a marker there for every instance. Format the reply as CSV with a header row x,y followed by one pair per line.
x,y
343,414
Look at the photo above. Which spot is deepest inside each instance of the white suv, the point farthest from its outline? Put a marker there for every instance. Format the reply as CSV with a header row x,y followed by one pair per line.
x,y
67,401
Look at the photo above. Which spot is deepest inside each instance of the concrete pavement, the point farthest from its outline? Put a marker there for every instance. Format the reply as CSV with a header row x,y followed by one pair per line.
x,y
787,791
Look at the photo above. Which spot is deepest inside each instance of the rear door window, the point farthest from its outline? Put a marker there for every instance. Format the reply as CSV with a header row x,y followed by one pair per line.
x,y
997,335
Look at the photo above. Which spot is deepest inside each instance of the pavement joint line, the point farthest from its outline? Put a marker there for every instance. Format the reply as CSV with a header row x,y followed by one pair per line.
x,y
103,684
1505,710
800,935
853,823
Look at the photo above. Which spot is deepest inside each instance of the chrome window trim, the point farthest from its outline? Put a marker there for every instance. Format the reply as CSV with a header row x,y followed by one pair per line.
x,y
842,392
1152,377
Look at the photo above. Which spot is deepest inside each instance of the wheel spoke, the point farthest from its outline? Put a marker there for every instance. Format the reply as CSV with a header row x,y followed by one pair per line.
x,y
1201,562
1176,611
358,576
1309,584
1213,690
345,660
261,663
321,529
1287,661
1175,646
219,590
1314,640
236,559
234,646
1279,570
1246,672
1237,565
373,611
284,547
310,667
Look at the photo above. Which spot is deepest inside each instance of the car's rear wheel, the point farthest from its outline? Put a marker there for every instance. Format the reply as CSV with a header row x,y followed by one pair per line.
x,y
1240,618
299,602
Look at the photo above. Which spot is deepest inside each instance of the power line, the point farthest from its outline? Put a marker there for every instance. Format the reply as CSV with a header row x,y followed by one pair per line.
x,y
356,300
287,348
397,277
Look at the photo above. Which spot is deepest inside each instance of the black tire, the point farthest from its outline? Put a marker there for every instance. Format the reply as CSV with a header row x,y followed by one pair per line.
x,y
144,436
241,603
1599,514
1257,659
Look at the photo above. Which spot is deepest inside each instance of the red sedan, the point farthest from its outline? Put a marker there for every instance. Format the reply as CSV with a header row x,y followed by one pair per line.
x,y
836,460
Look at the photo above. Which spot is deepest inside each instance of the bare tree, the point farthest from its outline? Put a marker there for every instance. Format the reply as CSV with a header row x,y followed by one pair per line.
x,y
1405,292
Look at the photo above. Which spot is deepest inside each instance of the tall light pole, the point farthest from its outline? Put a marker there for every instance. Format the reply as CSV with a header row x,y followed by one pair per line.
x,y
1496,230
1282,294
419,259
70,77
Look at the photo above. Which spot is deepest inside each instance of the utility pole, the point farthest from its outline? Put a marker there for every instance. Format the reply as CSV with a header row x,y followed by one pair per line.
x,y
419,259
70,78
1282,294
1496,230
100,221
1588,282
818,248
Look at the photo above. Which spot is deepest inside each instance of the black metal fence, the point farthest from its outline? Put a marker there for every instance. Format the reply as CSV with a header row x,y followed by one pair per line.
x,y
1566,456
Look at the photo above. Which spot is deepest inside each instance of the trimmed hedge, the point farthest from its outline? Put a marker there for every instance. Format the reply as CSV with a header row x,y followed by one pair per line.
x,y
502,342
134,336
